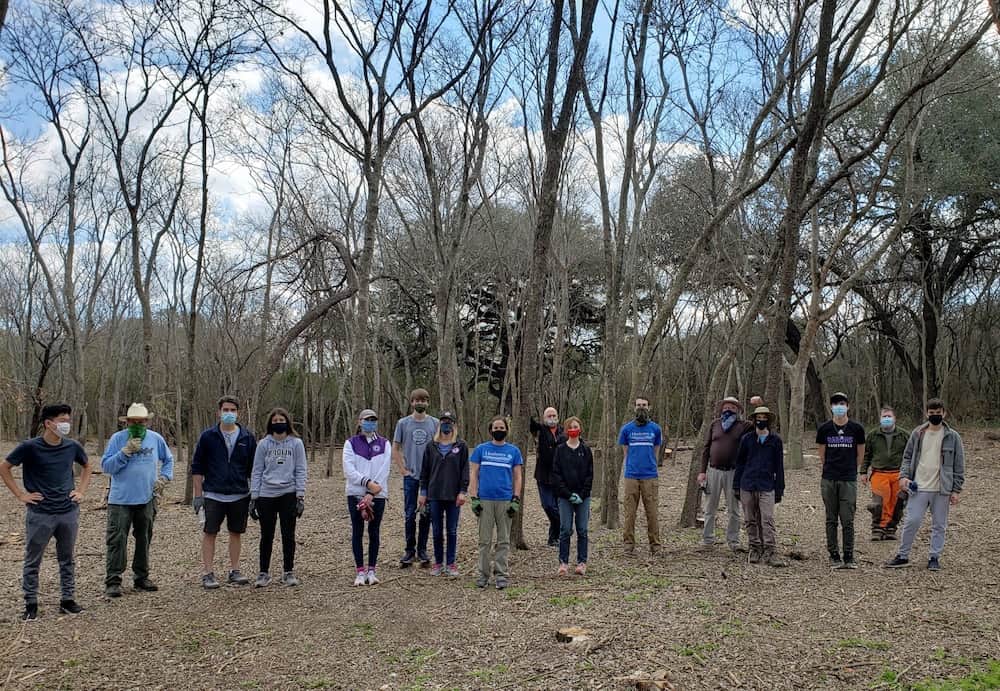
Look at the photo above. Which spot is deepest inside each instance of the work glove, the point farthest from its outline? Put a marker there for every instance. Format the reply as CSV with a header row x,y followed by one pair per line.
x,y
365,508
253,510
198,504
132,445
477,506
300,507
514,506
575,499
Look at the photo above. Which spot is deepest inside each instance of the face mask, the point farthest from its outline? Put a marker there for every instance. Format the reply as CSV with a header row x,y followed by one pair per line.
x,y
228,418
761,424
420,407
641,415
279,428
573,433
136,431
499,434
369,426
839,410
447,428
935,419
63,428
551,421
888,422
728,415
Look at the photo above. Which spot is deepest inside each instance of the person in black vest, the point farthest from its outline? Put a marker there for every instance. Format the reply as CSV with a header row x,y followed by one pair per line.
x,y
550,435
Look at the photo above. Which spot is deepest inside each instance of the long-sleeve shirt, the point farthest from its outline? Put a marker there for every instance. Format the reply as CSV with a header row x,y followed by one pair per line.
x,y
366,460
279,467
721,444
573,471
133,477
760,466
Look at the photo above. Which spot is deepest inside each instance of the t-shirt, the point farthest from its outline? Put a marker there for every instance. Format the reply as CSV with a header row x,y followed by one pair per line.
x,y
842,442
496,469
928,477
414,435
48,469
640,464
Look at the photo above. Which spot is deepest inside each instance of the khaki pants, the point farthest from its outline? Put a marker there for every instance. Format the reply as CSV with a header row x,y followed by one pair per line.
x,y
494,516
648,492
758,512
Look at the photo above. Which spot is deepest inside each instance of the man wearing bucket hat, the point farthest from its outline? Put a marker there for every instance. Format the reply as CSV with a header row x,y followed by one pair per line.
x,y
718,463
759,482
841,452
139,464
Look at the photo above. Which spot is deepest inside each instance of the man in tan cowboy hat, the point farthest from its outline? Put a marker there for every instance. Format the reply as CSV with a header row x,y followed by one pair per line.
x,y
140,464
759,482
718,463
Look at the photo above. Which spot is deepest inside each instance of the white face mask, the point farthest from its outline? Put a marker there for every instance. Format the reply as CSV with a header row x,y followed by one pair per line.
x,y
63,428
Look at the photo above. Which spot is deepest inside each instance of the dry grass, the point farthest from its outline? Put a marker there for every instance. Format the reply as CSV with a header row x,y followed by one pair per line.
x,y
708,619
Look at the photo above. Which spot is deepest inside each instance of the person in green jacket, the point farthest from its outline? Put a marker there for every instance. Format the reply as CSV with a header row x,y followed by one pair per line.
x,y
884,448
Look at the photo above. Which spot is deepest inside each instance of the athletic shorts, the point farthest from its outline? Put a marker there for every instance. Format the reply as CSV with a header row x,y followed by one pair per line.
x,y
235,513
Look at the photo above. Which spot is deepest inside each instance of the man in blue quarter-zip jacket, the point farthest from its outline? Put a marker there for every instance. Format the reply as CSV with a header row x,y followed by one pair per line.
x,y
140,464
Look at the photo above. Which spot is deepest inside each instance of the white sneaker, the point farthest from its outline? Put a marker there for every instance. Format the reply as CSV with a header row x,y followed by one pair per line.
x,y
372,578
263,580
360,579
288,578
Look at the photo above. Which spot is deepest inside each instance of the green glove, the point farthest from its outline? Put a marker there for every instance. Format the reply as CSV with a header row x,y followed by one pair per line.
x,y
575,499
514,506
477,506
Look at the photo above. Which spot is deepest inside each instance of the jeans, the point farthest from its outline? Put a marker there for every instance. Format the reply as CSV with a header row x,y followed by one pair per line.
x,y
358,529
39,528
414,541
840,498
122,517
444,519
550,505
270,510
494,516
720,482
570,514
916,507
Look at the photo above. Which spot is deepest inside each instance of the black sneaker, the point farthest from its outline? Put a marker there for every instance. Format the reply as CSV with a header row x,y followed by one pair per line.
x,y
113,590
849,562
145,584
30,611
897,563
69,607
425,559
409,556
933,564
553,542
835,562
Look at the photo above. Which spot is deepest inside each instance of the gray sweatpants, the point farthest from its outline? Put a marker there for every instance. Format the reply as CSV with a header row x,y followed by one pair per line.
x,y
718,482
916,507
39,528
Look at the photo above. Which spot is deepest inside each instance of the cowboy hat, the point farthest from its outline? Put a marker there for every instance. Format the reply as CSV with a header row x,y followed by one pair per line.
x,y
763,410
136,411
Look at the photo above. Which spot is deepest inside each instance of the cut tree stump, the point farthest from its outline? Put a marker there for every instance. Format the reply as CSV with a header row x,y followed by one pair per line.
x,y
648,682
573,634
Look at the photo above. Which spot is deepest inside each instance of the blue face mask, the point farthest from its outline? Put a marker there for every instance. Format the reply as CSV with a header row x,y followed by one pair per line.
x,y
228,418
369,426
888,422
839,410
447,428
728,419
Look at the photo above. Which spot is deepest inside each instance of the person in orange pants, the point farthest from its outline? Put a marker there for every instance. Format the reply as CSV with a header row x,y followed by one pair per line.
x,y
884,448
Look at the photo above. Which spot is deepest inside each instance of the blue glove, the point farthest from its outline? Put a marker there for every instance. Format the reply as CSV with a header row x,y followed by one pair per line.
x,y
575,499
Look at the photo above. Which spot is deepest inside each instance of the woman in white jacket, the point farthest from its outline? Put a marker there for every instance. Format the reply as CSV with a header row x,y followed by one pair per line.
x,y
367,458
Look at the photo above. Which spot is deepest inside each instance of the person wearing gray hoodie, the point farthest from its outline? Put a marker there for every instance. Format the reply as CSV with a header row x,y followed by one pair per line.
x,y
277,492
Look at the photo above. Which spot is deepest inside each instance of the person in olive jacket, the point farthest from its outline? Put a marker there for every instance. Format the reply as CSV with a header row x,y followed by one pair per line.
x,y
444,484
573,478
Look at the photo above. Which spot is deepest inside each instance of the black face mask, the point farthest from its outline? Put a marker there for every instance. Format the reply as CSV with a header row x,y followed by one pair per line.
x,y
641,415
761,424
420,407
499,434
935,419
278,428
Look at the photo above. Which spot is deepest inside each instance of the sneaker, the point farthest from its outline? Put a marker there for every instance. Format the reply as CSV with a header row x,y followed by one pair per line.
x,y
629,550
116,590
145,584
452,571
581,569
437,569
482,581
849,562
372,578
889,535
563,569
705,546
773,560
208,582
501,582
835,562
237,578
288,579
69,607
897,563
361,577
737,548
933,564
424,558
30,611
553,542
408,558
263,580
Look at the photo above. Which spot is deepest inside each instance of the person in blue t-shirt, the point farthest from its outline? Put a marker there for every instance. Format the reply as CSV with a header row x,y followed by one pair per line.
x,y
641,439
496,475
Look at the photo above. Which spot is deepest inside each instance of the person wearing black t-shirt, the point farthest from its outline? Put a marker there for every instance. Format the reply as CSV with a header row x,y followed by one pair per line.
x,y
842,452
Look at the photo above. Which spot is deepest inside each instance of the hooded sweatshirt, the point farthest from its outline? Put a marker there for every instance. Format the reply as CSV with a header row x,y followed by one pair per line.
x,y
279,467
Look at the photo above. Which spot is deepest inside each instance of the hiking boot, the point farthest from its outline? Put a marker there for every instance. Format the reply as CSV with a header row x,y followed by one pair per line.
x,y
629,549
288,579
437,569
501,582
372,578
755,555
452,571
237,578
889,534
115,590
933,564
361,578
30,611
208,582
897,562
877,535
409,556
771,558
705,546
581,569
145,584
737,548
849,562
263,580
563,570
425,559
835,562
482,581
69,607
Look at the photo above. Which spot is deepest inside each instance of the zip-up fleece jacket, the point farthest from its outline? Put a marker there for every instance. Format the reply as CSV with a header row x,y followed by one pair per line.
x,y
366,460
224,473
573,471
760,467
444,477
880,453
279,468
952,458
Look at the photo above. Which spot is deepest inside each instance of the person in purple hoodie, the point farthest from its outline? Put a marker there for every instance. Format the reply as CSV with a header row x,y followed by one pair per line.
x,y
367,458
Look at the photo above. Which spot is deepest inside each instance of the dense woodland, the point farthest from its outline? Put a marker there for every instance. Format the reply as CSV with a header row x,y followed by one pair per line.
x,y
323,205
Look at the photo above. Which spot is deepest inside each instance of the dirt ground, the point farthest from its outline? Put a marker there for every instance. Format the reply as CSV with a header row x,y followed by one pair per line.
x,y
705,619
